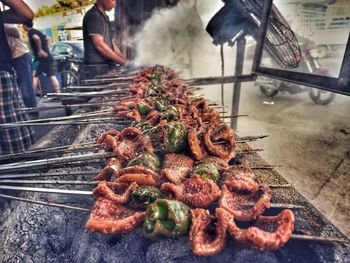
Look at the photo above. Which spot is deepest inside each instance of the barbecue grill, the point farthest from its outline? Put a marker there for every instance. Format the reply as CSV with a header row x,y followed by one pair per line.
x,y
35,233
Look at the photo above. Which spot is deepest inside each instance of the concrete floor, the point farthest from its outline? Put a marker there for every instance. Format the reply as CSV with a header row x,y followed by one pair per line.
x,y
306,140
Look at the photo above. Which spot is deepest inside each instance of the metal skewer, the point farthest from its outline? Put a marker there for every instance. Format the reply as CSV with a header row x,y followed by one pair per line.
x,y
52,161
88,94
67,182
38,175
45,190
84,121
44,203
49,150
81,105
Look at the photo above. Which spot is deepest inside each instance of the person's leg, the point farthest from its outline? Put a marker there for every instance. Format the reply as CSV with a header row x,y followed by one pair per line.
x,y
51,74
14,139
23,67
55,84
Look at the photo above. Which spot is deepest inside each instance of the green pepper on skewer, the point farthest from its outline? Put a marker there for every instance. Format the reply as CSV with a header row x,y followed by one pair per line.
x,y
142,126
170,113
177,137
170,218
144,195
207,170
162,103
143,108
148,160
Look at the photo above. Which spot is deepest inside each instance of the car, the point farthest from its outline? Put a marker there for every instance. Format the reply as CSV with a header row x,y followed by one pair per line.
x,y
73,49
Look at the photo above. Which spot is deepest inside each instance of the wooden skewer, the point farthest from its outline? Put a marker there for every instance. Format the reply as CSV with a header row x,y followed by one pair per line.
x,y
319,239
263,167
234,116
250,151
44,203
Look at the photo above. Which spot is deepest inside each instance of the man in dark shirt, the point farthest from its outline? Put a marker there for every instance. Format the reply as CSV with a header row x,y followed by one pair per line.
x,y
14,139
99,49
38,43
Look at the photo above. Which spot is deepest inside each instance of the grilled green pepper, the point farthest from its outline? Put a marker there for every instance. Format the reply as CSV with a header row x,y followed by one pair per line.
x,y
162,104
207,170
170,218
177,137
144,195
148,160
142,126
143,108
170,114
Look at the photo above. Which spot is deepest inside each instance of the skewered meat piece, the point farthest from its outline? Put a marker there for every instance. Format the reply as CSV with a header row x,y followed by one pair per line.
x,y
218,162
132,140
220,133
140,175
102,138
197,192
196,145
113,167
176,167
119,193
153,117
245,207
268,233
130,114
240,178
201,240
109,218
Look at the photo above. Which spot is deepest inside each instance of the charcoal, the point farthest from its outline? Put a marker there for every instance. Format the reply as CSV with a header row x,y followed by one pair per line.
x,y
128,249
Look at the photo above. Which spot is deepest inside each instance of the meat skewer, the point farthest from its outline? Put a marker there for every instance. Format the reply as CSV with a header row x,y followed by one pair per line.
x,y
80,192
61,206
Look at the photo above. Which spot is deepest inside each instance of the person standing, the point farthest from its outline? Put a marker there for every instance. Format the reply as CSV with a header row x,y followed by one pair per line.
x,y
39,45
23,64
20,138
100,52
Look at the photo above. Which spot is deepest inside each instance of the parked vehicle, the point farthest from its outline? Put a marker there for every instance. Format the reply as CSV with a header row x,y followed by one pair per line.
x,y
68,57
309,64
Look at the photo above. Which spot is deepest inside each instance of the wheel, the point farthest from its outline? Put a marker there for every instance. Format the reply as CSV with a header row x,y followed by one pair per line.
x,y
321,97
322,51
267,87
69,78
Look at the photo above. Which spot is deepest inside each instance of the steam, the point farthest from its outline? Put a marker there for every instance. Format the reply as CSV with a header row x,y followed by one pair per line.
x,y
176,37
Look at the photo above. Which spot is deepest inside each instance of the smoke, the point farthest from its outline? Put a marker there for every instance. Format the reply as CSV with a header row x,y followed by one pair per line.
x,y
176,37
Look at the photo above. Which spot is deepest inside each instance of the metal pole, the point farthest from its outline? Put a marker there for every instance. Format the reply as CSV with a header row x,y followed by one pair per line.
x,y
241,42
261,36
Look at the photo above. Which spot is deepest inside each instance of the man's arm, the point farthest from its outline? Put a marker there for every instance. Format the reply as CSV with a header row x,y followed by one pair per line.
x,y
106,51
19,12
37,41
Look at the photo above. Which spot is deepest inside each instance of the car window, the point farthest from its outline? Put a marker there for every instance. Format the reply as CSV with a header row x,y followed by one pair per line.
x,y
62,49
